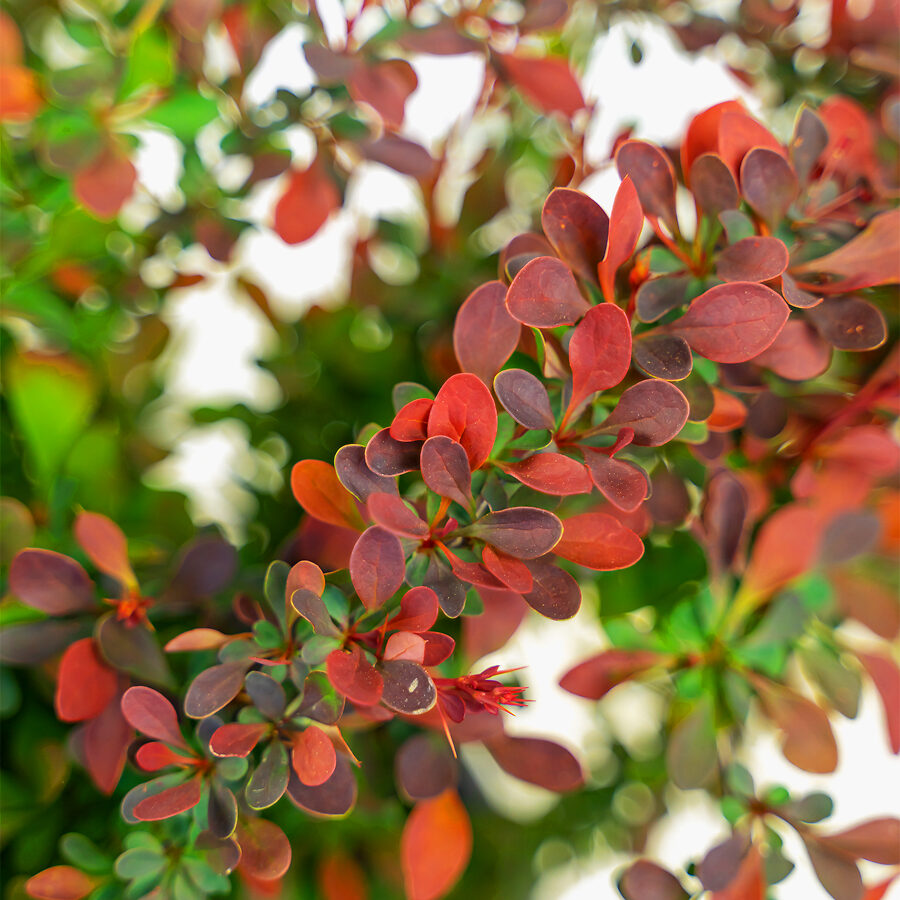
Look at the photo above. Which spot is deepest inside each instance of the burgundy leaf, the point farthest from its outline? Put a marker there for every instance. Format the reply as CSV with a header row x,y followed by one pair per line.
x,y
655,410
653,176
170,802
551,473
388,457
392,512
377,565
713,185
624,484
537,761
408,689
595,677
768,183
445,469
484,333
51,582
658,296
523,532
525,398
599,352
664,356
544,294
752,259
554,592
578,228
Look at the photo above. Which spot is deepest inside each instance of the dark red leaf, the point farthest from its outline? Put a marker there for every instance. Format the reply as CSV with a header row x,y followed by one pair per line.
x,y
484,333
596,676
544,294
318,490
658,296
355,475
624,484
511,571
423,768
354,676
214,688
625,225
877,840
387,457
554,592
50,582
525,398
849,323
732,323
738,134
551,473
653,176
599,352
150,713
400,154
724,514
578,228
309,198
464,411
104,743
598,541
408,688
645,880
537,761
808,143
523,532
795,295
798,353
445,469
85,684
435,846
713,185
377,565
664,356
752,259
768,184
335,797
655,410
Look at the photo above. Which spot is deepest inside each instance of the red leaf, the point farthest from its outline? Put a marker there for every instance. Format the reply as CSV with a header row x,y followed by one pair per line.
x,y
713,185
305,205
537,761
785,547
729,412
877,840
653,176
464,411
484,333
884,672
340,878
237,738
85,684
418,610
596,676
645,880
313,756
752,259
319,491
150,713
547,83
196,639
732,323
750,882
511,571
411,421
353,676
578,228
105,183
377,566
625,225
798,353
105,545
104,742
392,512
50,582
738,134
385,86
599,352
544,294
60,883
156,755
170,802
769,184
702,135
435,846
265,849
405,645
598,541
554,592
808,741
551,473
445,469
871,258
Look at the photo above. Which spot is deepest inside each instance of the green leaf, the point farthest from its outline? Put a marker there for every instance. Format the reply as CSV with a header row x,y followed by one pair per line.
x,y
51,400
142,862
691,756
151,63
84,854
184,114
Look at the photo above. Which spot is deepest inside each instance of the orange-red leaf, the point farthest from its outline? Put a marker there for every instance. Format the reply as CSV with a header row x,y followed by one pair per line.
x,y
319,491
85,683
60,883
105,544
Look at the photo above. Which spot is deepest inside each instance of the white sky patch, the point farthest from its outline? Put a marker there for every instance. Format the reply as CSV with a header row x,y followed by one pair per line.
x,y
282,65
159,163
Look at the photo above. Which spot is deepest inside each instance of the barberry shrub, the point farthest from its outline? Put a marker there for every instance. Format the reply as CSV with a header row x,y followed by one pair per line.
x,y
613,396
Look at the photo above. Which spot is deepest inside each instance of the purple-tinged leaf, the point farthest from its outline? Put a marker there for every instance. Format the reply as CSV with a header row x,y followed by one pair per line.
x,y
377,565
665,356
445,469
554,592
795,295
523,532
357,477
214,689
808,143
51,582
537,761
653,176
849,323
424,768
768,184
152,714
408,688
752,259
624,484
655,410
269,781
170,802
484,333
713,185
391,512
266,693
645,880
578,228
550,473
335,797
312,607
387,457
596,677
658,296
544,294
525,398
